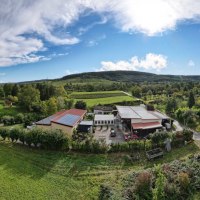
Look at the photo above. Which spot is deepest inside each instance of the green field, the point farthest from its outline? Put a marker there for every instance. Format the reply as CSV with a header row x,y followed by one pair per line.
x,y
104,97
108,100
96,95
37,174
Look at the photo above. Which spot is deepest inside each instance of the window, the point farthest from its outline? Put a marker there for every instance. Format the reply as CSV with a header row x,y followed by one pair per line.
x,y
108,122
102,122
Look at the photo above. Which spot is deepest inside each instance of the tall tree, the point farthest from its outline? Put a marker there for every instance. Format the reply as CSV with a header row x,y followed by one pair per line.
x,y
29,96
191,100
52,106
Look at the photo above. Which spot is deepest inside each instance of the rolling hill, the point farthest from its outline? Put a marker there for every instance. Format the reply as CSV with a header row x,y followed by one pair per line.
x,y
129,76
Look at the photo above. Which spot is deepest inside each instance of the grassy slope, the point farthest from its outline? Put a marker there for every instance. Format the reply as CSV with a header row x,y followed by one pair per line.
x,y
107,100
34,174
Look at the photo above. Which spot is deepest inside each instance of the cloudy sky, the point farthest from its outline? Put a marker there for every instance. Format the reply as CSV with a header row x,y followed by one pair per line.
x,y
49,39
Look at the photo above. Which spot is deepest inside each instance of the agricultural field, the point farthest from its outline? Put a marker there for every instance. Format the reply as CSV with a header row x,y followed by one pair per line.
x,y
104,97
96,95
39,174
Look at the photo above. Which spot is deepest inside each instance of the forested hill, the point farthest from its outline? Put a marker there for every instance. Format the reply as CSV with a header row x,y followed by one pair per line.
x,y
129,76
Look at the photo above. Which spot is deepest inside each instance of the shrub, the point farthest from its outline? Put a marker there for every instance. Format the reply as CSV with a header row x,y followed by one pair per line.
x,y
187,134
19,118
4,133
144,185
8,120
105,192
14,134
184,180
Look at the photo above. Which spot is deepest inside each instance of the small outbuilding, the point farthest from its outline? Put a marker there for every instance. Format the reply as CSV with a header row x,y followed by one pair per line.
x,y
85,126
103,110
104,120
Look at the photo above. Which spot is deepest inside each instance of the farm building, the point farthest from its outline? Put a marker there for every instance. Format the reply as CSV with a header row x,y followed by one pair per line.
x,y
103,110
141,121
65,120
85,126
104,120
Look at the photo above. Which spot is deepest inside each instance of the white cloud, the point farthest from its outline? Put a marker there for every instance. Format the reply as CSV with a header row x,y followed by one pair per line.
x,y
151,61
44,18
191,63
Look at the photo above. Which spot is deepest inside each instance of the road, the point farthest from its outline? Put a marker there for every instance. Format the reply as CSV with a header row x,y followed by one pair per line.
x,y
178,126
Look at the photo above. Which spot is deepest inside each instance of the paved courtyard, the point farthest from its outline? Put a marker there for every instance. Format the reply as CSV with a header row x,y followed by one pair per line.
x,y
103,133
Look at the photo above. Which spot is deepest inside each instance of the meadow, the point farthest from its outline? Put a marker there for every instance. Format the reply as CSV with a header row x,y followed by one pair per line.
x,y
104,97
38,174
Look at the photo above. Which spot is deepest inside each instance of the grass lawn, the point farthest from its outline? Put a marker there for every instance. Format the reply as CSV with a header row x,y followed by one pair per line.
x,y
14,110
107,100
38,174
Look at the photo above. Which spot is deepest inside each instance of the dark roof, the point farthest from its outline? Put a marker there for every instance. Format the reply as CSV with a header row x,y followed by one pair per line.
x,y
104,108
65,117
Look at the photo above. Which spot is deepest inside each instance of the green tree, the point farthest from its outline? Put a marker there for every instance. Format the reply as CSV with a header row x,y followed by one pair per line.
x,y
80,105
8,89
29,96
191,100
51,106
136,92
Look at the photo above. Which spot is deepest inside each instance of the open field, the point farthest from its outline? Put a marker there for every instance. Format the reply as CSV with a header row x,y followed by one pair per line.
x,y
108,100
37,174
95,95
103,97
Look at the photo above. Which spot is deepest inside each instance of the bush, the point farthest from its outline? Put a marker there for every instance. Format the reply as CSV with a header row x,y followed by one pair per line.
x,y
4,133
14,134
187,134
8,120
19,118
105,192
143,185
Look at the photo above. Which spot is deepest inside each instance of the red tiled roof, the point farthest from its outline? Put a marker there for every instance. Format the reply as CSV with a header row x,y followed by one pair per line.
x,y
146,125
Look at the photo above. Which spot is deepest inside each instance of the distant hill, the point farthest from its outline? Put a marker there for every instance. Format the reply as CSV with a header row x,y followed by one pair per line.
x,y
119,76
129,76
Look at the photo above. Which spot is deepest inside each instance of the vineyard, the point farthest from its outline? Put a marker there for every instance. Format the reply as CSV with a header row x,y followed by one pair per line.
x,y
95,95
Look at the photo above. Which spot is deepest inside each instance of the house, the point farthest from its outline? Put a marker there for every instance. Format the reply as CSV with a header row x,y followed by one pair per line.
x,y
85,126
65,120
104,120
103,110
141,121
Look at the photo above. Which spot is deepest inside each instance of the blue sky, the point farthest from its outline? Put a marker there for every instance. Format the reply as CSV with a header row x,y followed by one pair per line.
x,y
80,36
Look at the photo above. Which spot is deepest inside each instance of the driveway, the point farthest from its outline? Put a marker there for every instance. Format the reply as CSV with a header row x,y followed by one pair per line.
x,y
103,133
178,126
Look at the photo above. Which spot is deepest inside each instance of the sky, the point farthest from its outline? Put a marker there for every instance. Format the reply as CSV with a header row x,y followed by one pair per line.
x,y
44,39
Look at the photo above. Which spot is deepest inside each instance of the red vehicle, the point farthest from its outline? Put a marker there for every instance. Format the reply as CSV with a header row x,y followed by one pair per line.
x,y
130,136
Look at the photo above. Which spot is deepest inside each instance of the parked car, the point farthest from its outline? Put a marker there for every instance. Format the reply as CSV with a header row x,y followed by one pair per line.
x,y
130,136
112,133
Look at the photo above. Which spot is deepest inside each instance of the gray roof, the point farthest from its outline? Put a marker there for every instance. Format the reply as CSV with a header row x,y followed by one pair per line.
x,y
104,117
68,119
143,113
46,121
159,114
139,112
127,113
86,123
